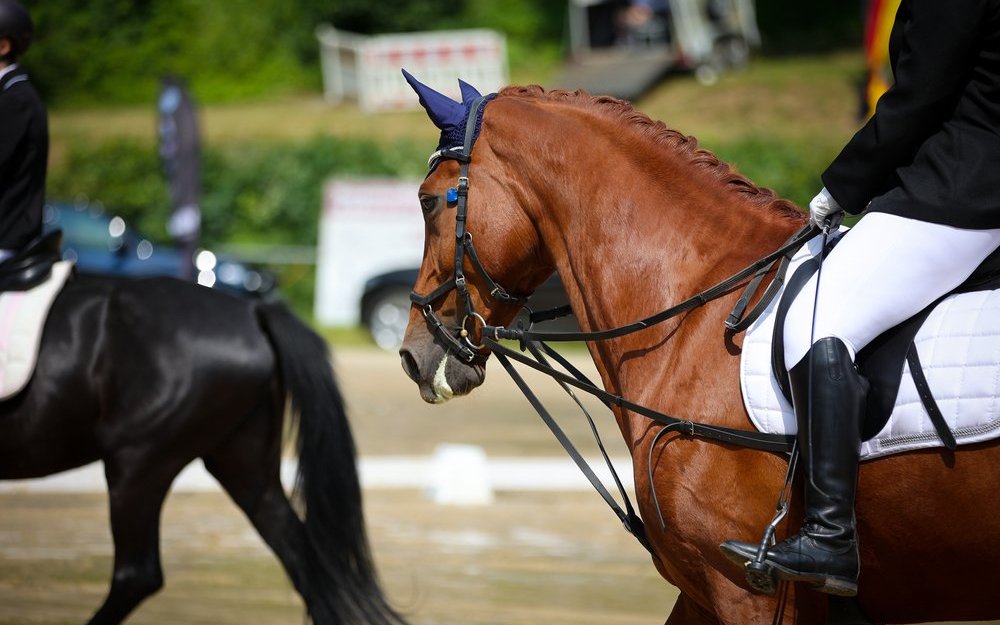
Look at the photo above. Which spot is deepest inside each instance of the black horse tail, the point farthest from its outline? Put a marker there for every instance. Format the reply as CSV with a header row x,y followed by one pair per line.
x,y
343,587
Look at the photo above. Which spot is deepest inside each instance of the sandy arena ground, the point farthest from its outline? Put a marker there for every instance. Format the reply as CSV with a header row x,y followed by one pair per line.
x,y
558,558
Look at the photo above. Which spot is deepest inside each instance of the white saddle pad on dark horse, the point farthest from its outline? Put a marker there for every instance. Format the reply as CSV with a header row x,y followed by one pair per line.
x,y
959,347
22,318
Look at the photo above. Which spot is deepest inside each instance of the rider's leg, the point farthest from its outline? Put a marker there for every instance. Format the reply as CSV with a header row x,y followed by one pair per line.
x,y
828,411
884,271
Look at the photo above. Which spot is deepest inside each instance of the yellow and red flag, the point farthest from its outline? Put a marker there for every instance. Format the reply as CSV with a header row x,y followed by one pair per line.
x,y
878,25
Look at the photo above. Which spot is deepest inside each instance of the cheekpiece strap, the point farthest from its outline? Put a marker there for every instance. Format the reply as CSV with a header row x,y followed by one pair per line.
x,y
463,201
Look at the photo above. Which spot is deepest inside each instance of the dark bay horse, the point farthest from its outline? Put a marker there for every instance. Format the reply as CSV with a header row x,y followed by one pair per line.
x,y
636,218
150,375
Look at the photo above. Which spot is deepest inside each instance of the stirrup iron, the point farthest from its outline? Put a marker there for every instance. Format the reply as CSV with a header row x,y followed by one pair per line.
x,y
759,574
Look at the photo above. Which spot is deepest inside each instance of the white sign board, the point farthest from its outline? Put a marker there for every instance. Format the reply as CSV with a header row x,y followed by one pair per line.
x,y
368,227
366,68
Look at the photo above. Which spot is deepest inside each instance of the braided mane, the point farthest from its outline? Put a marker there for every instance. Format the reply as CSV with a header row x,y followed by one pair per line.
x,y
659,133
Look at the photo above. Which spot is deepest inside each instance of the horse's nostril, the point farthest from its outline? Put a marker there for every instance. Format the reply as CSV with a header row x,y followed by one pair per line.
x,y
409,365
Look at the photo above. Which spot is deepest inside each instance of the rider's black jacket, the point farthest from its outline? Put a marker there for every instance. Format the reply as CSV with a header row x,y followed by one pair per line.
x,y
24,152
931,151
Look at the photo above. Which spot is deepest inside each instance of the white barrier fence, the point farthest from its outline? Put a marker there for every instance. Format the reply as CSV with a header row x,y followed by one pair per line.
x,y
453,475
366,68
368,227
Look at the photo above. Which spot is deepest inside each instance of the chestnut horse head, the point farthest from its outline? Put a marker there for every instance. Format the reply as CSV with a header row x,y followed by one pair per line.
x,y
440,351
635,218
548,173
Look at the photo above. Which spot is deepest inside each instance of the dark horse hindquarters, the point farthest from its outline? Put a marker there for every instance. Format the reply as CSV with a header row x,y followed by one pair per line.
x,y
149,375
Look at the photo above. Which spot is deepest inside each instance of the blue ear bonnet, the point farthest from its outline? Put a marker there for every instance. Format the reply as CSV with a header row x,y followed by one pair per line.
x,y
447,114
456,136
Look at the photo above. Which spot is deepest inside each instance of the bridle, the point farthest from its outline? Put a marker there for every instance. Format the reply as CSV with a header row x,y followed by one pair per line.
x,y
462,345
458,341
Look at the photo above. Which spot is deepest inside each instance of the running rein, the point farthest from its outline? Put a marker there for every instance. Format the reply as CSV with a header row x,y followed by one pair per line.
x,y
464,348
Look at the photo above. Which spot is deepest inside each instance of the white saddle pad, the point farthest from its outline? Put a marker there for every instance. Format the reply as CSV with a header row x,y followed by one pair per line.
x,y
959,348
22,317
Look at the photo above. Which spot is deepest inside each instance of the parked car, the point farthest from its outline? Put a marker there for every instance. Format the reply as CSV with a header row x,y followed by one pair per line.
x,y
385,306
103,244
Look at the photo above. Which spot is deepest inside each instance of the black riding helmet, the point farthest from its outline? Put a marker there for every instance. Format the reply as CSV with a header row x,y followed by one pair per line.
x,y
16,25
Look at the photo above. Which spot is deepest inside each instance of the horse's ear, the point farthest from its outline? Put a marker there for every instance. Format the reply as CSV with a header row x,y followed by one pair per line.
x,y
443,111
469,93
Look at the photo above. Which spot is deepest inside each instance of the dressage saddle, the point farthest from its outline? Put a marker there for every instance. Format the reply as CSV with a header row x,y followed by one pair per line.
x,y
32,265
881,362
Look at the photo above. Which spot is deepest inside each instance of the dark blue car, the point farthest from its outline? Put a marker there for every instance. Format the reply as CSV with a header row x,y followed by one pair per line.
x,y
104,245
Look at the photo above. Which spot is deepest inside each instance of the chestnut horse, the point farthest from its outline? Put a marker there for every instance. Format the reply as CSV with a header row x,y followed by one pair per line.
x,y
635,218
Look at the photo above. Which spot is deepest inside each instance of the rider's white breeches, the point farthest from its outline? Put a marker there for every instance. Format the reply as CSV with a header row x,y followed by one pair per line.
x,y
885,270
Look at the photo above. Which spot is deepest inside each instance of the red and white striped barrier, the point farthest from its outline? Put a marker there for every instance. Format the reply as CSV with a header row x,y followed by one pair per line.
x,y
366,68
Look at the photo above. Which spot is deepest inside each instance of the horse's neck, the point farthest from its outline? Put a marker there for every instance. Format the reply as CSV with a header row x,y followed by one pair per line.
x,y
653,244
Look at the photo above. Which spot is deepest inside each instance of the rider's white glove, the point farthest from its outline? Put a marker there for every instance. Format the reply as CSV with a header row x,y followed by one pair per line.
x,y
824,211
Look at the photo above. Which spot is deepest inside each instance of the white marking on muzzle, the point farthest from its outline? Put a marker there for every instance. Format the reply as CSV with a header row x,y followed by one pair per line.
x,y
441,388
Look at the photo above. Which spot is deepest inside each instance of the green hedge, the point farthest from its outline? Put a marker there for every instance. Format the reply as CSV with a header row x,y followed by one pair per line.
x,y
115,51
814,26
790,168
271,192
252,191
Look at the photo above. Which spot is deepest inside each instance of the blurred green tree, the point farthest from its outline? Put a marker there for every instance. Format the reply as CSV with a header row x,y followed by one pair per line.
x,y
114,51
386,16
813,26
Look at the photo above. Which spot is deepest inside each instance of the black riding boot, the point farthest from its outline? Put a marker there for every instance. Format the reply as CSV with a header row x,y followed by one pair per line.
x,y
825,551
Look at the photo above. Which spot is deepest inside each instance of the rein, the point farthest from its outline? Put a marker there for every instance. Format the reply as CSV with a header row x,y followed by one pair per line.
x,y
736,322
463,347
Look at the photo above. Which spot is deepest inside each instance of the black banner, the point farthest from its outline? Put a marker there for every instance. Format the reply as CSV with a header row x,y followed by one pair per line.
x,y
180,151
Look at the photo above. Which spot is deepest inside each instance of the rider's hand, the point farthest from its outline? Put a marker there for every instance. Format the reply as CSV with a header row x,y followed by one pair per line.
x,y
825,212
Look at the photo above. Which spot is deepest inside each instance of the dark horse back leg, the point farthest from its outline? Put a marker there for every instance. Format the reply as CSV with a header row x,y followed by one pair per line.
x,y
248,468
339,583
169,393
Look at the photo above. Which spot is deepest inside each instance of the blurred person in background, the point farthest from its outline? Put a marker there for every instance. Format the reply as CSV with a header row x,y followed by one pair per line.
x,y
641,11
644,21
923,169
24,136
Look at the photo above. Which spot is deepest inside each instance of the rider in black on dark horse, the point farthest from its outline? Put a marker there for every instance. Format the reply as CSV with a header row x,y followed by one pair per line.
x,y
923,170
24,136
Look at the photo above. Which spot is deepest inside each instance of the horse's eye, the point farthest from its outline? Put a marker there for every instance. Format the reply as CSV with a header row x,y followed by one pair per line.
x,y
428,202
